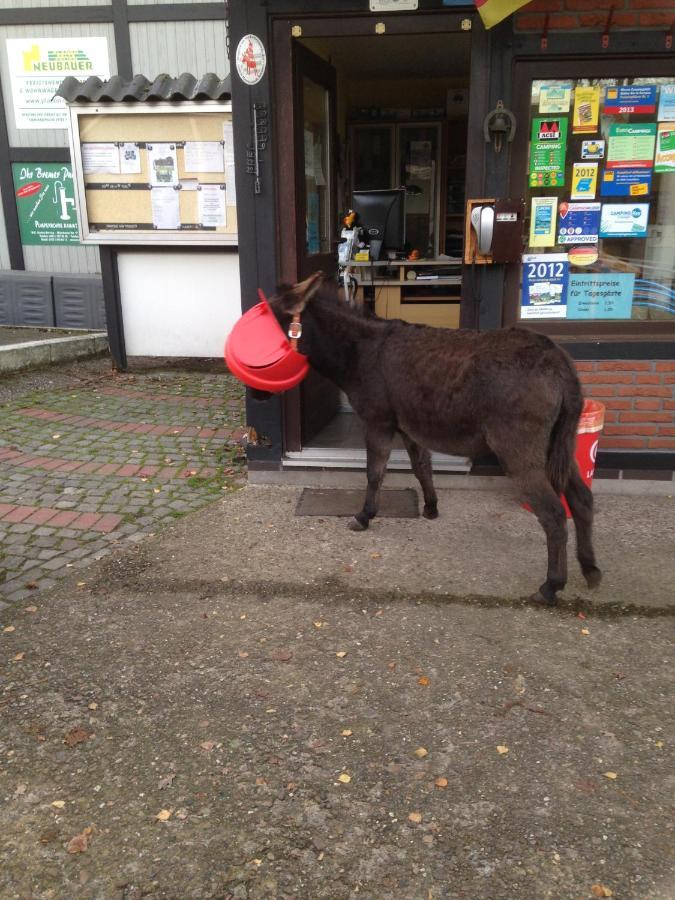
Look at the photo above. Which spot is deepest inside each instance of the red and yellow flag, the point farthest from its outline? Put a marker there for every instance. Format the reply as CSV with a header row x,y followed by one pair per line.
x,y
493,11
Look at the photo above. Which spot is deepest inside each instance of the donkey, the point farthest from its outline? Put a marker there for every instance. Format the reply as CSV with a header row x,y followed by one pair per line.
x,y
512,392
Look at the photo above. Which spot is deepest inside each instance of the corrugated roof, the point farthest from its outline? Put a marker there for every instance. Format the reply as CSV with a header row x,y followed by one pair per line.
x,y
141,90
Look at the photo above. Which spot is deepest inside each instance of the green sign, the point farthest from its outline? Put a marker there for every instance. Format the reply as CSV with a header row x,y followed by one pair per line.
x,y
45,201
547,151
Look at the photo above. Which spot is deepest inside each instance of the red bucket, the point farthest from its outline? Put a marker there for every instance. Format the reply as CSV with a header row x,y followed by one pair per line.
x,y
258,352
588,435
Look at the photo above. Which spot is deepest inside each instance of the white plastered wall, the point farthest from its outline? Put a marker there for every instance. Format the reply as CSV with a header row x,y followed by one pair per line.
x,y
178,303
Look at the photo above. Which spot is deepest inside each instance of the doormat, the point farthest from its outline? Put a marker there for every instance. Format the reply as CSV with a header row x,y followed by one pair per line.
x,y
394,504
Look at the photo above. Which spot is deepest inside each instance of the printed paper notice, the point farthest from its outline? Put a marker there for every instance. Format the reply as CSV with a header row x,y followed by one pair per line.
x,y
130,159
165,207
228,156
204,156
586,110
665,148
602,295
620,220
103,158
547,152
544,292
162,163
543,221
667,103
631,146
555,98
309,154
212,213
584,181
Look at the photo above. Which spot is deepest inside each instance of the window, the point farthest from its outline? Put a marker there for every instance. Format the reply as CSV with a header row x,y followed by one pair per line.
x,y
600,201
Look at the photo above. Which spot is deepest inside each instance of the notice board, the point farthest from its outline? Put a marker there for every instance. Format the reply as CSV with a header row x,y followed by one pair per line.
x,y
154,173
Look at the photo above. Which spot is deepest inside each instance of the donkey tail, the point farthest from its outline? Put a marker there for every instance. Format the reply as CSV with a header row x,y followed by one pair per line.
x,y
562,442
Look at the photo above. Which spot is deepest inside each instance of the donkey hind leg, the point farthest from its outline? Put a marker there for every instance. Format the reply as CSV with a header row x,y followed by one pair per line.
x,y
580,501
547,507
420,460
378,448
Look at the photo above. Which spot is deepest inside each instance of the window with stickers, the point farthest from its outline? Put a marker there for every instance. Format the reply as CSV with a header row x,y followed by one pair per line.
x,y
600,201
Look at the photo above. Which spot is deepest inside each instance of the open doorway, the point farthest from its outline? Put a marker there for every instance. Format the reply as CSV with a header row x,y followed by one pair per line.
x,y
380,128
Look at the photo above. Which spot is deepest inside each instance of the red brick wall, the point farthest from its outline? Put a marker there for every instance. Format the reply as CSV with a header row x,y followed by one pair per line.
x,y
639,398
570,15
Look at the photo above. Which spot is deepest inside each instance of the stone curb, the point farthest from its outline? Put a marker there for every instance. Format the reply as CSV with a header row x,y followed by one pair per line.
x,y
33,354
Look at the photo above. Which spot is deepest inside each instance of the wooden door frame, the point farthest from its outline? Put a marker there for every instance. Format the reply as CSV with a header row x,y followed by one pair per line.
x,y
285,29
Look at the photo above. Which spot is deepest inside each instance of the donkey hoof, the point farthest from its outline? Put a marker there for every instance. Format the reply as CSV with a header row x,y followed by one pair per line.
x,y
545,596
355,524
540,600
593,576
430,511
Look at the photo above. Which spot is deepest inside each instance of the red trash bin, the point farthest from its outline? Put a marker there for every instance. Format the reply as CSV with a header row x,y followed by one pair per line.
x,y
588,435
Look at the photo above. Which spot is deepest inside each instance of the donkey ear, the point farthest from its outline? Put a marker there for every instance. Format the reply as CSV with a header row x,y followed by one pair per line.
x,y
297,297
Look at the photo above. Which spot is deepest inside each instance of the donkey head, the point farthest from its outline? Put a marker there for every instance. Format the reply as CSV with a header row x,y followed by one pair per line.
x,y
291,300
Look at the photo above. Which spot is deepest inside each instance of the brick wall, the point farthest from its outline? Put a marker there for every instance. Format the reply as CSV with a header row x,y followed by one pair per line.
x,y
639,398
570,15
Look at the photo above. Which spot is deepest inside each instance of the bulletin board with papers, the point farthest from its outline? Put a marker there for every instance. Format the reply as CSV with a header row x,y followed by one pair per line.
x,y
160,174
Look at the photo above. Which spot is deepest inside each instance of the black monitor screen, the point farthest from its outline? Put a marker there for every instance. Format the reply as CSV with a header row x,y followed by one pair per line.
x,y
382,216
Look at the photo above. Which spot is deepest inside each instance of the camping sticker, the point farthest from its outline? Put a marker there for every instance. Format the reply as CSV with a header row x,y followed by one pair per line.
x,y
250,59
586,110
547,152
544,292
630,99
579,223
584,180
631,146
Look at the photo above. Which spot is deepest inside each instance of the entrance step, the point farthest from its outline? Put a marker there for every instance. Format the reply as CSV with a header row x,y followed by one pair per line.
x,y
350,458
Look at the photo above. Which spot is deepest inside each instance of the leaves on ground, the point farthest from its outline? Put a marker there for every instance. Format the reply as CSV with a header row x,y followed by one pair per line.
x,y
18,657
166,781
441,782
501,749
344,778
611,775
9,629
164,815
424,681
280,654
76,736
80,842
207,745
341,654
421,752
415,817
58,804
585,631
346,732
600,890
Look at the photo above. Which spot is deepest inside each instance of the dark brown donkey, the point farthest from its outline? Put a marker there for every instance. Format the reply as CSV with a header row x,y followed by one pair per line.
x,y
512,392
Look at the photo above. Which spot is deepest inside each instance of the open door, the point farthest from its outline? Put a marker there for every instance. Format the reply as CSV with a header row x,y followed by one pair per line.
x,y
316,205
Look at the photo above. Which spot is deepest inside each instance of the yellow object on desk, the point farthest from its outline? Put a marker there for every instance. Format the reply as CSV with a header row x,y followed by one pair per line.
x,y
362,256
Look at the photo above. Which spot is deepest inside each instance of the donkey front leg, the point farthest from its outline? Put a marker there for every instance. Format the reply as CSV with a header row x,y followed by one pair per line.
x,y
420,460
378,447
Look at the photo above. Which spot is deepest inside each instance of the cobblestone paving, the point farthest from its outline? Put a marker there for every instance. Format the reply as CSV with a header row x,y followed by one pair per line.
x,y
84,469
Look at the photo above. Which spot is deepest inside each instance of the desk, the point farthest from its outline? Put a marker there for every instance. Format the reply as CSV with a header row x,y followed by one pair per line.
x,y
412,290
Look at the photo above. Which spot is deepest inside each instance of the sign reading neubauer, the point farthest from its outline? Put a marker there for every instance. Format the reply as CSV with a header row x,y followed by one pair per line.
x,y
37,66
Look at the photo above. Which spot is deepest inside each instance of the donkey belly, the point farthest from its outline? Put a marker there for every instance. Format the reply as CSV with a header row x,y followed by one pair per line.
x,y
454,438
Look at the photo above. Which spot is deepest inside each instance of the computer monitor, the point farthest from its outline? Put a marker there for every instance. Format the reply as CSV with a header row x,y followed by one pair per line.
x,y
381,214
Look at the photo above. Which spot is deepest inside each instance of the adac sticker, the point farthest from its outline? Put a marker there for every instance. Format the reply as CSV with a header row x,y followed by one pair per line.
x,y
251,59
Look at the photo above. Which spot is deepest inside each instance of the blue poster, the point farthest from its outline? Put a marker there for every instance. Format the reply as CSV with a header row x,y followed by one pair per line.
x,y
621,220
544,293
579,223
626,183
630,99
603,295
667,103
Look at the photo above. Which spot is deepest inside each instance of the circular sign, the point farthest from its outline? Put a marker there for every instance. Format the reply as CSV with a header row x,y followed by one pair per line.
x,y
250,59
583,256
